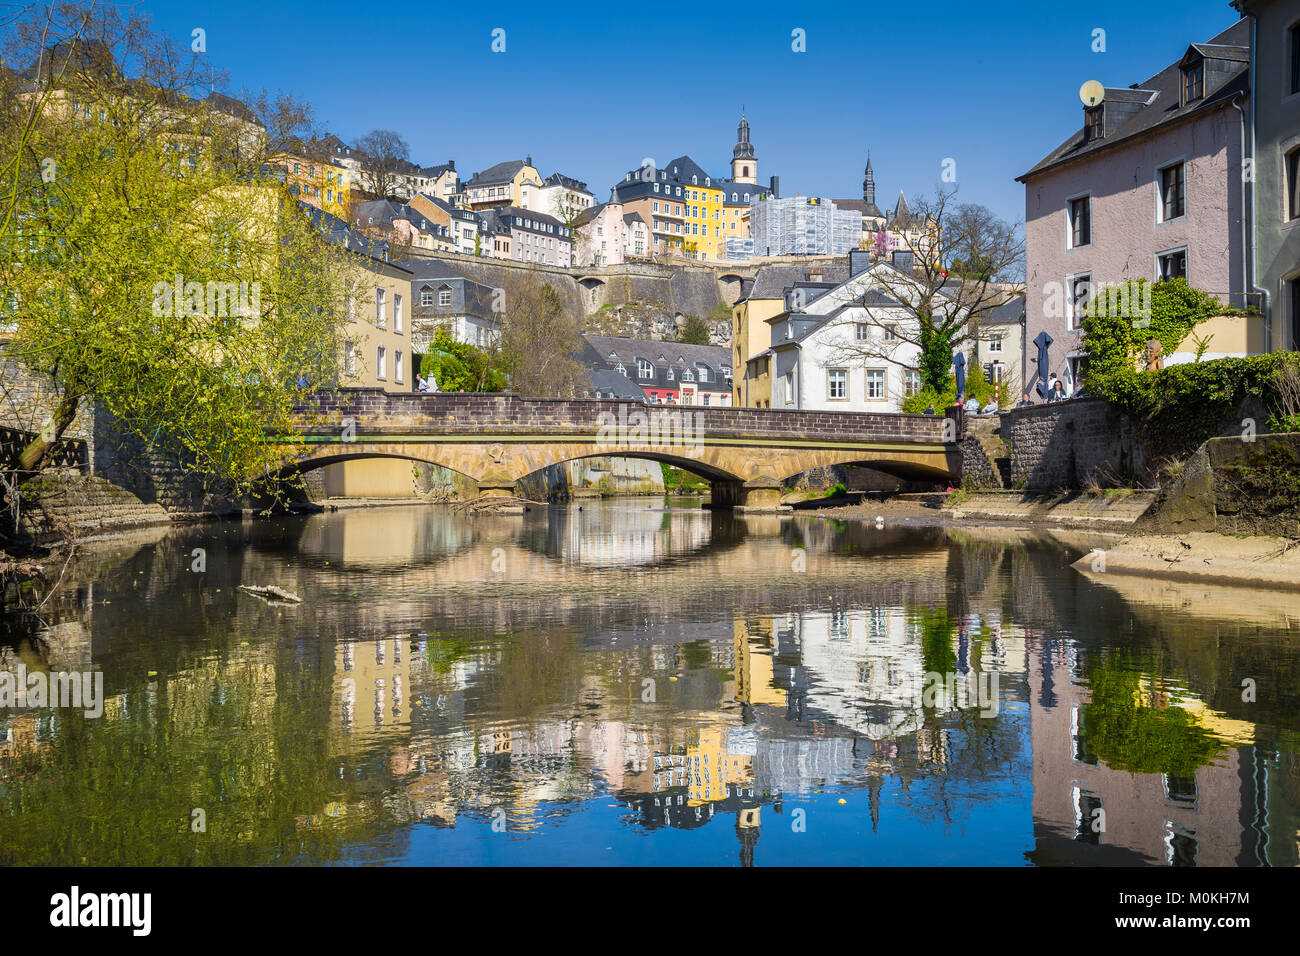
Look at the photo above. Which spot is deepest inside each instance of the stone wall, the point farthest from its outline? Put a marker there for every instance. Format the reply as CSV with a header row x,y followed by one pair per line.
x,y
483,414
1066,445
28,401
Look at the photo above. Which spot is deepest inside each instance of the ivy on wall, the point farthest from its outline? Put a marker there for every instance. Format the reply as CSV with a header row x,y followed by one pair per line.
x,y
1182,405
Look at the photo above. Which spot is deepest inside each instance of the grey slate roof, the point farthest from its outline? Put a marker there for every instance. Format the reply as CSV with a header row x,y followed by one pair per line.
x,y
771,281
498,174
1006,314
859,205
559,179
597,350
1162,95
606,382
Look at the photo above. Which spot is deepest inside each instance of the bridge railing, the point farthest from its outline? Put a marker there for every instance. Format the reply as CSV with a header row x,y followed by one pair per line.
x,y
373,409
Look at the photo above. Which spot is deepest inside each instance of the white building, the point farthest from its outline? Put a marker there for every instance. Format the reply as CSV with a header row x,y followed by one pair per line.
x,y
849,349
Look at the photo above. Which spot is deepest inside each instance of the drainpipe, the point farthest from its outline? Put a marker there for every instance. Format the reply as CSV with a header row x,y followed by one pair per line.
x,y
1251,283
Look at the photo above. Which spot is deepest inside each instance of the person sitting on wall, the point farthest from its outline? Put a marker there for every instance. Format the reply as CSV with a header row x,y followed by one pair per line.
x,y
990,409
1025,401
929,410
972,406
1058,392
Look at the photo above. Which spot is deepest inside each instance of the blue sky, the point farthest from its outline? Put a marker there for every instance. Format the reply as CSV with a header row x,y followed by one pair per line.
x,y
591,89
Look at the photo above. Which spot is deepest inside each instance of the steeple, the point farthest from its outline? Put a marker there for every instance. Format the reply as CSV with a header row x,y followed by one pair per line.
x,y
744,167
869,185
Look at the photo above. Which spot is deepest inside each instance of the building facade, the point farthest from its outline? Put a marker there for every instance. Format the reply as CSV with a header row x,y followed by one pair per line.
x,y
1148,188
512,183
1274,196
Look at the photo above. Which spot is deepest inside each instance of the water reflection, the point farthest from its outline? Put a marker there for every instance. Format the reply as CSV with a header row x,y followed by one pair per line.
x,y
586,686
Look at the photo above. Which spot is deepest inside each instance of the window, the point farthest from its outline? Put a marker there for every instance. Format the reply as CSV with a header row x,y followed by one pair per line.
x,y
995,344
911,381
1173,265
889,333
1080,287
1295,58
704,374
397,365
1080,222
350,358
1094,125
789,387
397,314
444,298
875,384
426,297
381,359
644,369
381,308
1193,82
1292,186
1172,198
837,384
862,331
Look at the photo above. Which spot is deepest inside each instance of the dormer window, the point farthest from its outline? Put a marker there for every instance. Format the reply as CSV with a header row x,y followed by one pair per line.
x,y
1193,81
644,369
1094,122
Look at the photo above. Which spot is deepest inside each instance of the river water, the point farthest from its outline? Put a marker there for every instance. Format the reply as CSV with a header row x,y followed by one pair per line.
x,y
644,682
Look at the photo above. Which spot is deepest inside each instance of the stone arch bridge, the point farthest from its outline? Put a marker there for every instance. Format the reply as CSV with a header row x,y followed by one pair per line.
x,y
497,439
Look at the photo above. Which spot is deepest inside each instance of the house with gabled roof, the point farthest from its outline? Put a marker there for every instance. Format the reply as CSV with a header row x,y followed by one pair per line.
x,y
512,183
1149,186
669,373
850,348
443,298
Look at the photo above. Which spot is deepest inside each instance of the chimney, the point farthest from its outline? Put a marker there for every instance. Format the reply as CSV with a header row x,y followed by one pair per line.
x,y
859,261
903,261
451,164
776,187
813,275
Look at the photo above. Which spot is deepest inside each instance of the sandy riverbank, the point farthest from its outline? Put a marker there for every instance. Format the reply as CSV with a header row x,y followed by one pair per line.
x,y
1257,561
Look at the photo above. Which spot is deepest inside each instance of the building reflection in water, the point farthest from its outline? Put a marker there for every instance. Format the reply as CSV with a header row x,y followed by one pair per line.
x,y
670,663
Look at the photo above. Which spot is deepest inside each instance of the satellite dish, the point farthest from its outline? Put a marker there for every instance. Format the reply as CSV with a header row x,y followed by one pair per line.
x,y
1092,93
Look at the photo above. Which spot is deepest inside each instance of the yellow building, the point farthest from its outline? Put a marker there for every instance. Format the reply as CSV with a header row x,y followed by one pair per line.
x,y
702,199
317,182
512,183
377,337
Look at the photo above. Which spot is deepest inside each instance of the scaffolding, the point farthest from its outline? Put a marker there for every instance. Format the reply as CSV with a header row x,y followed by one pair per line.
x,y
803,225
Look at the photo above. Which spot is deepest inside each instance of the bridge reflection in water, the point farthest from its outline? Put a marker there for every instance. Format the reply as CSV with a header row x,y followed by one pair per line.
x,y
540,689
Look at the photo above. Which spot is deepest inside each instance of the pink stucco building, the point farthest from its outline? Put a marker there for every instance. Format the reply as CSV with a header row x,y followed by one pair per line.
x,y
1149,188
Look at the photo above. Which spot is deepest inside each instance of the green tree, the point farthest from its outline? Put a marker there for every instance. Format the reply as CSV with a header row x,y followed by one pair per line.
x,y
148,267
460,367
694,331
937,308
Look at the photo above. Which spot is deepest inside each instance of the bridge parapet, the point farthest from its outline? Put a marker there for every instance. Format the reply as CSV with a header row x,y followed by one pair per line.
x,y
488,413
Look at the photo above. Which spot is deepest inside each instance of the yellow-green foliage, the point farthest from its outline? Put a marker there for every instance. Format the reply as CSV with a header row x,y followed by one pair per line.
x,y
102,205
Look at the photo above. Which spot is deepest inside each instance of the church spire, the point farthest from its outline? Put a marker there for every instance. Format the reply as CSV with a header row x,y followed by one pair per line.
x,y
744,167
869,185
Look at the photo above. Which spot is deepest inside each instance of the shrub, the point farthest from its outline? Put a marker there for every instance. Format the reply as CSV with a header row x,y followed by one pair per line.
x,y
976,385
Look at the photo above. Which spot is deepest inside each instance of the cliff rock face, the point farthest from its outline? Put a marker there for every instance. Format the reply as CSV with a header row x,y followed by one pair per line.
x,y
655,299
